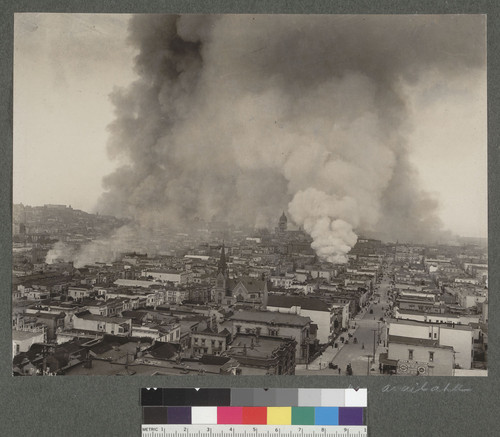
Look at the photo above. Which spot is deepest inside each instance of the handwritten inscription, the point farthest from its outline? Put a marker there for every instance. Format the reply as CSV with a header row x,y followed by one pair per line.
x,y
426,387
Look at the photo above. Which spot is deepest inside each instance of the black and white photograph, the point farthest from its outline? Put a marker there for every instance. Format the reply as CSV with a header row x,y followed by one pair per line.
x,y
249,195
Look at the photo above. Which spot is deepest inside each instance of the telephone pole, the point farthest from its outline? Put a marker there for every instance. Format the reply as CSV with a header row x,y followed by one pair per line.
x,y
374,332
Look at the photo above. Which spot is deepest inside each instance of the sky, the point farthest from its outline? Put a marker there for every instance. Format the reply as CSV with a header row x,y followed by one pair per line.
x,y
67,65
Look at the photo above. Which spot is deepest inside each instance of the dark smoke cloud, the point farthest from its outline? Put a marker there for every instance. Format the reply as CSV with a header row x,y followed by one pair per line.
x,y
242,116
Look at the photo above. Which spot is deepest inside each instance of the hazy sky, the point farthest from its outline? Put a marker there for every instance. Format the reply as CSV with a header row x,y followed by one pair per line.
x,y
66,65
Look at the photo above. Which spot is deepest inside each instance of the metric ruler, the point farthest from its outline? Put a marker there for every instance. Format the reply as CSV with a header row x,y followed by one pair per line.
x,y
252,431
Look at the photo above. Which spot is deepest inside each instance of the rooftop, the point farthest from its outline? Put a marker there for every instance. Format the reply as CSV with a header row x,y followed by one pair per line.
x,y
250,346
88,316
307,303
425,342
24,335
271,317
417,323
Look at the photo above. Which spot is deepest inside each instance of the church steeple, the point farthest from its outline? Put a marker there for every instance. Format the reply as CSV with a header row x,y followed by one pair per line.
x,y
222,268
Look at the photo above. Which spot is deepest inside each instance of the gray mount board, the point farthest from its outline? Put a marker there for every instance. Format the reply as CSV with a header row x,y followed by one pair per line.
x,y
109,406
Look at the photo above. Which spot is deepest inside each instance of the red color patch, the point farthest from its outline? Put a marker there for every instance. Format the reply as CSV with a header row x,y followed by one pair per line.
x,y
254,416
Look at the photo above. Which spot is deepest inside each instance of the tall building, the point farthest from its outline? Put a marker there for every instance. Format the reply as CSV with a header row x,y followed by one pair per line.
x,y
282,224
222,286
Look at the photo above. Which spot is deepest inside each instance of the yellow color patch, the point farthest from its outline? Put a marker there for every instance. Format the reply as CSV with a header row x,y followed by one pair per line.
x,y
279,415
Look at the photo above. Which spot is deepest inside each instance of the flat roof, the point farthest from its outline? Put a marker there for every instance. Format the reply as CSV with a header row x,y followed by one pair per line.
x,y
418,323
24,335
271,317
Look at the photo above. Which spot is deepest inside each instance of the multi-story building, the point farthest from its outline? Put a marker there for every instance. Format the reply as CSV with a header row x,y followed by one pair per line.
x,y
208,342
273,324
411,333
263,355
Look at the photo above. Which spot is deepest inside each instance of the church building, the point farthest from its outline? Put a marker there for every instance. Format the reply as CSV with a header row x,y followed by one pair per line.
x,y
243,290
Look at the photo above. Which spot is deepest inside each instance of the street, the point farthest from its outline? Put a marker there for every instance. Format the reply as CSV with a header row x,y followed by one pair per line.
x,y
365,327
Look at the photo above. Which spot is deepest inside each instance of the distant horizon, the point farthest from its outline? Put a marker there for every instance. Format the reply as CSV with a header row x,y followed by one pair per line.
x,y
346,122
360,235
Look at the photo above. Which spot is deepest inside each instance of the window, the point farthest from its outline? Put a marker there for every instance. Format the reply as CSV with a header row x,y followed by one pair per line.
x,y
430,335
238,329
431,357
410,354
435,335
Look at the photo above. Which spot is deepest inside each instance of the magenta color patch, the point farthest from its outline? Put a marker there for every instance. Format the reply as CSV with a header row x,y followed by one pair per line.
x,y
229,415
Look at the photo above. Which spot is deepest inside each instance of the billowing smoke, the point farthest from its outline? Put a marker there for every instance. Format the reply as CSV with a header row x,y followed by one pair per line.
x,y
242,116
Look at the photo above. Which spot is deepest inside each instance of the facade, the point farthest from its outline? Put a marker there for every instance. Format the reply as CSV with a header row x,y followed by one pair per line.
x,y
263,355
320,312
177,277
79,293
165,332
208,342
423,357
23,340
101,324
458,337
272,324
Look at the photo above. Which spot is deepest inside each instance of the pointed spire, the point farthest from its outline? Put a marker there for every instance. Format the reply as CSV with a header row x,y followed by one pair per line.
x,y
222,261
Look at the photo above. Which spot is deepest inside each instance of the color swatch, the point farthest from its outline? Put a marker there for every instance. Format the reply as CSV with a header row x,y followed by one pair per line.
x,y
244,406
253,397
253,415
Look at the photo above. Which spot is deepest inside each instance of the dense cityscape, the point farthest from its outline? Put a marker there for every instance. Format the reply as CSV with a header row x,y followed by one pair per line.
x,y
223,300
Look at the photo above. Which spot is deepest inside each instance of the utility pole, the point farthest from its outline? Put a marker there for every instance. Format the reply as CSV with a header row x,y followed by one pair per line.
x,y
368,365
374,331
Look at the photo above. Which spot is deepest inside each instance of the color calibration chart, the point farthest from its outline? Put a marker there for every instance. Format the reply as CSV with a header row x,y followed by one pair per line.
x,y
253,412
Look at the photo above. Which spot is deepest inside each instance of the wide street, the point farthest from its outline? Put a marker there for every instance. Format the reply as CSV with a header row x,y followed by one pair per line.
x,y
364,328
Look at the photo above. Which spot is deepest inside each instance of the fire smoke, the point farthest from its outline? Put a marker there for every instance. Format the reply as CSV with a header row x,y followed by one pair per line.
x,y
242,116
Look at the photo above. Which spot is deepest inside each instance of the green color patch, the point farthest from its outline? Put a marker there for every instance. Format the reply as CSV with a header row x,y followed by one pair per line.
x,y
302,415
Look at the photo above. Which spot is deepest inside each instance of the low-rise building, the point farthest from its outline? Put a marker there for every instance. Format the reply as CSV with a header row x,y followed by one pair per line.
x,y
273,324
208,342
22,340
459,337
263,355
87,321
320,312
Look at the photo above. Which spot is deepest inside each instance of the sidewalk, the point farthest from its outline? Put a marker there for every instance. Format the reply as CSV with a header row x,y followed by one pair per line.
x,y
331,352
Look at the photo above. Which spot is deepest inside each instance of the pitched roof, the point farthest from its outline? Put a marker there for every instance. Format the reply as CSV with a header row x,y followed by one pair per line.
x,y
251,284
163,350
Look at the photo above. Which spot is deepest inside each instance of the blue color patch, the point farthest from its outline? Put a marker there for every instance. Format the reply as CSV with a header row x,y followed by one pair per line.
x,y
326,416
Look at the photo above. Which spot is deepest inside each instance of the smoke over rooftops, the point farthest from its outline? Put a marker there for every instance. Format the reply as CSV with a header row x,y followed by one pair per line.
x,y
242,116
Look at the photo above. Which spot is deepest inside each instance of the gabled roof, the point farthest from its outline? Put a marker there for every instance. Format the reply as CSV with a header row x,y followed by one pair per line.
x,y
251,284
164,350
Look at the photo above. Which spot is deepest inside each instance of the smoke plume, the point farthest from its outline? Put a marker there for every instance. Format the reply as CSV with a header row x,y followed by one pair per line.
x,y
242,116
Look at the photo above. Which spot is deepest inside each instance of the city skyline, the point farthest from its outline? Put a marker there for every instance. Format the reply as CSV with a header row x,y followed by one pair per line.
x,y
62,110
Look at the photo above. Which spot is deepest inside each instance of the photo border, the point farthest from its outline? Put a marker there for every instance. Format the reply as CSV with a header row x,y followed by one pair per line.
x,y
109,406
